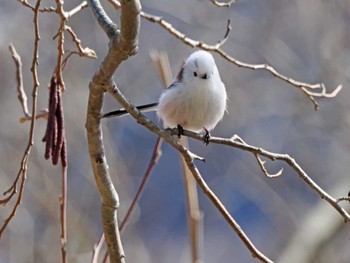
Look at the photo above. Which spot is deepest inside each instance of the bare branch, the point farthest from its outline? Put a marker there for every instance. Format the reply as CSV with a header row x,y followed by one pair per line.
x,y
63,214
86,52
77,9
23,168
228,30
97,249
240,144
60,43
42,114
344,198
26,4
120,49
263,169
157,153
22,97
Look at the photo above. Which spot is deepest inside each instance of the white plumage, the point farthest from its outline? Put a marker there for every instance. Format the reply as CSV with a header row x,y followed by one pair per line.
x,y
197,98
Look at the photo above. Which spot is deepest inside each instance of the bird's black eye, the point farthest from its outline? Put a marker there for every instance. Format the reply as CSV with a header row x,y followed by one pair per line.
x,y
195,74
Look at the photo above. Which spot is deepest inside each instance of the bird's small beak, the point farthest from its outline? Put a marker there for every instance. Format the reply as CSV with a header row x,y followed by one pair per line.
x,y
204,76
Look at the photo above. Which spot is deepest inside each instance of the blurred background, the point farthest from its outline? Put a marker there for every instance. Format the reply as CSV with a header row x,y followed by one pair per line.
x,y
285,219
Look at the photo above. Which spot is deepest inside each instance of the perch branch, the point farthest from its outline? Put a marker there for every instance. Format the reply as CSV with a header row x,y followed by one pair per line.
x,y
236,142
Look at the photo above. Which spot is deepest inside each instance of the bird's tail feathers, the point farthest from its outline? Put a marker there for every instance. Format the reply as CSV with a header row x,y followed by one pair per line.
x,y
121,112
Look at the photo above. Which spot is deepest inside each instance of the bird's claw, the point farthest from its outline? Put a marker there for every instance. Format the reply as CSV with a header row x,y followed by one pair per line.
x,y
206,137
180,131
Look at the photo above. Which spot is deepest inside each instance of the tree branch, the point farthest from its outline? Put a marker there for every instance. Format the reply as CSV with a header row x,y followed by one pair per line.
x,y
24,163
237,142
121,47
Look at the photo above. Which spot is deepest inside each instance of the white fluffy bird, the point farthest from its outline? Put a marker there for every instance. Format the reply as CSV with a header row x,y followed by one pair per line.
x,y
196,100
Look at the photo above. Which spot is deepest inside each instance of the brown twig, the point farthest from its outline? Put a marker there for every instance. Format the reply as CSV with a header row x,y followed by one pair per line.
x,y
42,114
154,159
97,249
41,10
60,43
344,198
22,97
63,213
84,52
24,163
223,4
264,170
76,9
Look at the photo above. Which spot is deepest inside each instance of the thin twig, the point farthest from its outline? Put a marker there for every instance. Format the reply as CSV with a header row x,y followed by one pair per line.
x,y
344,198
233,142
42,114
154,159
63,213
97,249
264,170
22,97
76,9
86,52
60,43
24,163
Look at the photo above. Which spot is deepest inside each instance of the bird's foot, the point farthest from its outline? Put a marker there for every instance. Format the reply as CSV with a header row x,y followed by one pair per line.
x,y
180,131
206,137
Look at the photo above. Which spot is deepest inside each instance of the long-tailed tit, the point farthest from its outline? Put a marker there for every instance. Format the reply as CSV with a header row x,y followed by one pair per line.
x,y
196,100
